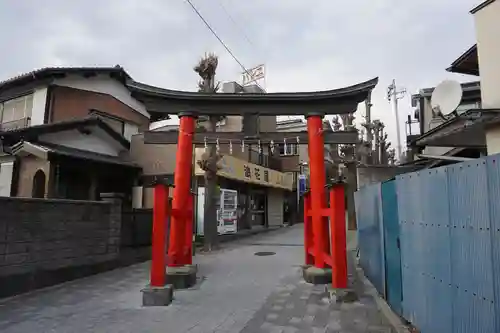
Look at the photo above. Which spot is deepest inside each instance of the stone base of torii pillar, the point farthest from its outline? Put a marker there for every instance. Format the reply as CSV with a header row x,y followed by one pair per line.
x,y
182,277
317,275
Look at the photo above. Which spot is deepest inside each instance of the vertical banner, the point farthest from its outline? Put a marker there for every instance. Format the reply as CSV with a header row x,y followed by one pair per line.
x,y
302,184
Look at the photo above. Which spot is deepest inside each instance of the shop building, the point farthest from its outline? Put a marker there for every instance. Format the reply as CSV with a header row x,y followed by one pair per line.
x,y
254,177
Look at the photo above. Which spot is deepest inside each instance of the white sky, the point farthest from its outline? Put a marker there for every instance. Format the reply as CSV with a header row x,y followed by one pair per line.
x,y
306,44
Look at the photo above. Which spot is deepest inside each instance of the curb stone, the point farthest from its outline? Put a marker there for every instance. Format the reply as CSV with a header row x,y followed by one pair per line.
x,y
393,319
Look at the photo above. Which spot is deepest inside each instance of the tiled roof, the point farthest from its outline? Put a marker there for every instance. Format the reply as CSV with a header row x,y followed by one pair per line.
x,y
55,149
481,6
48,72
28,133
86,155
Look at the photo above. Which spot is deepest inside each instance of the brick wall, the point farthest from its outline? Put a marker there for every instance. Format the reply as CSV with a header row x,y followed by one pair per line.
x,y
70,103
44,242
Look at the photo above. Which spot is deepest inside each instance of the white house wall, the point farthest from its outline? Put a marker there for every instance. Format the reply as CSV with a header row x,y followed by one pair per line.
x,y
488,46
130,130
493,140
103,84
98,141
6,171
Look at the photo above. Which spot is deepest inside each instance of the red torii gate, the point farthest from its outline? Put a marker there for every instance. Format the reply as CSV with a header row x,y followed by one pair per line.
x,y
324,227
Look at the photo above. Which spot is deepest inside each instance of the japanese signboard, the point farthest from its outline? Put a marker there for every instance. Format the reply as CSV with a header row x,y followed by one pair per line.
x,y
253,75
234,168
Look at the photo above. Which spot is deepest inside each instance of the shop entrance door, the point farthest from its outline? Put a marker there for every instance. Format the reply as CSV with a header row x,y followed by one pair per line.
x,y
258,208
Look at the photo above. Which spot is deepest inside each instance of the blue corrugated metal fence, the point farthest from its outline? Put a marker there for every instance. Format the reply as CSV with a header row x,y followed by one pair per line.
x,y
390,221
370,234
449,231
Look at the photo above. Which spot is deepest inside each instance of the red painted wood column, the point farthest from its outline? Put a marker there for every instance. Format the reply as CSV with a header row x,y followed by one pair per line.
x,y
158,255
189,231
182,192
317,184
338,230
308,241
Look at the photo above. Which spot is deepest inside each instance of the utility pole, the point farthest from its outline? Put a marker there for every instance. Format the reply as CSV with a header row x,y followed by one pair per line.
x,y
368,125
393,94
376,128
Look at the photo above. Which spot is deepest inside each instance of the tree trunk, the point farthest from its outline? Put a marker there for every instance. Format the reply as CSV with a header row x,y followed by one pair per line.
x,y
206,69
211,192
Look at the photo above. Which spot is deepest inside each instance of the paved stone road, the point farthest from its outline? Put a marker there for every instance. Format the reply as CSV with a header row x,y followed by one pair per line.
x,y
298,307
238,292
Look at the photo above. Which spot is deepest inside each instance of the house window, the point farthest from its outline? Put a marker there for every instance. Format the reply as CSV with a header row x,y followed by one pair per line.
x,y
117,124
465,106
291,150
16,109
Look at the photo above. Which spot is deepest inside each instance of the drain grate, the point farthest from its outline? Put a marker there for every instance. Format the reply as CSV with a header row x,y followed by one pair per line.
x,y
264,254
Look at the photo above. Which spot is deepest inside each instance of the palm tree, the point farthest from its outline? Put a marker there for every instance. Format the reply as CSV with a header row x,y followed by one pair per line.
x,y
206,68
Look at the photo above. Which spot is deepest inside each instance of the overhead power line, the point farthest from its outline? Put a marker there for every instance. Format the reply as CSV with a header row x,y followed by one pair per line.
x,y
236,24
220,39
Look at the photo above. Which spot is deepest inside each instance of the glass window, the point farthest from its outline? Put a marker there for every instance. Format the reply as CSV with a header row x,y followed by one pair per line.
x,y
465,106
291,149
16,109
116,124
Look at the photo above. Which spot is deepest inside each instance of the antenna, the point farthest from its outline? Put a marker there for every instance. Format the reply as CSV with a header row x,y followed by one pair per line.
x,y
446,97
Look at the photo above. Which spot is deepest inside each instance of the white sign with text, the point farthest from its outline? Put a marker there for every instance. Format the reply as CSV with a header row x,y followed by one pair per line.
x,y
253,75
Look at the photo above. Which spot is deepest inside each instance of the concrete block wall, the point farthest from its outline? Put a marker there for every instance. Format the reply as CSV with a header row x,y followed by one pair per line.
x,y
45,242
136,228
375,174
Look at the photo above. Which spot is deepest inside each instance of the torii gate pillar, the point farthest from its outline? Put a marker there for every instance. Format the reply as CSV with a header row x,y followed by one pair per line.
x,y
179,271
324,227
321,243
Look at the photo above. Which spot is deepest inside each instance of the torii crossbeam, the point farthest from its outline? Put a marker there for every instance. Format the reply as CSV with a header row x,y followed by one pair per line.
x,y
264,138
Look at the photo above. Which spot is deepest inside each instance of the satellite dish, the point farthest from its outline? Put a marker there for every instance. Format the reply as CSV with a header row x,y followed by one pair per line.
x,y
446,97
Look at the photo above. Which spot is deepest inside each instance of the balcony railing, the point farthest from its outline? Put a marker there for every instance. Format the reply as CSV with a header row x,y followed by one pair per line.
x,y
15,124
265,160
275,163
